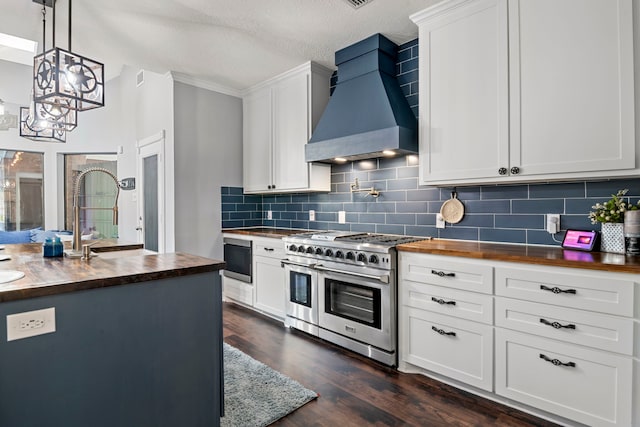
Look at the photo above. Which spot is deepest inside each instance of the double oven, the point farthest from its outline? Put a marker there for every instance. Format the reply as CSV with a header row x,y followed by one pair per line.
x,y
343,290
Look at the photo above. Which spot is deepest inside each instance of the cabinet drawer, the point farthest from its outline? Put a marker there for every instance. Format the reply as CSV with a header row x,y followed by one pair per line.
x,y
443,271
595,291
237,290
595,390
272,248
452,302
596,330
453,347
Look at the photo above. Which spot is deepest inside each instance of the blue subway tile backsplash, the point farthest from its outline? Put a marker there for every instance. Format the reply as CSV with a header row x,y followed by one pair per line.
x,y
513,213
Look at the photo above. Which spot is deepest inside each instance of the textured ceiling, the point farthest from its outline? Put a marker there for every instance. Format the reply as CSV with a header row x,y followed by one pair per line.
x,y
234,43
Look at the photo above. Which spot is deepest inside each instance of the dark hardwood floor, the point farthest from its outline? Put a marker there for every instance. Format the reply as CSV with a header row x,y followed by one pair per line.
x,y
355,391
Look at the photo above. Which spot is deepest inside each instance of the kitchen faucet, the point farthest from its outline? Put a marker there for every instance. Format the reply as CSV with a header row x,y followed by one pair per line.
x,y
77,234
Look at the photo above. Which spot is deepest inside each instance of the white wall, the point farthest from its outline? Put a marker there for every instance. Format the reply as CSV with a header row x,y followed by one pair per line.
x,y
208,155
97,132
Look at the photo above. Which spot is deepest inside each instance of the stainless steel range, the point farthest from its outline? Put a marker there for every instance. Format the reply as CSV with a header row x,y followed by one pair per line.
x,y
341,287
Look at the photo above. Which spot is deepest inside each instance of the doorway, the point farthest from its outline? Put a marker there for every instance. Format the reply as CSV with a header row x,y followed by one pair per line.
x,y
151,179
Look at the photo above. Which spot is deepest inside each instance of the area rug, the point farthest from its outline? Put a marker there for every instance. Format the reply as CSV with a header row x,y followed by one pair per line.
x,y
255,394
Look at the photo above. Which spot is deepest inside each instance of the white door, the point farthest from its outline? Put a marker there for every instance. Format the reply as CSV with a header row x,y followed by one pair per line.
x,y
571,70
464,93
151,190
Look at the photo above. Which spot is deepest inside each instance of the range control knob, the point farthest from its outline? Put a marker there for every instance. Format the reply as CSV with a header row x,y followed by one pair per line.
x,y
319,251
373,259
310,250
351,256
339,254
300,248
362,258
328,252
293,248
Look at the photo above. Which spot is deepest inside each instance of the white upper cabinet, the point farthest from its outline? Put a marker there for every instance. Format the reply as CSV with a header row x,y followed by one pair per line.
x,y
526,90
279,116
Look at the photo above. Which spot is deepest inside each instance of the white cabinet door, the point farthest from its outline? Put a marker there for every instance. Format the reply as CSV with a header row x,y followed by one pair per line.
x,y
447,345
589,386
269,286
572,95
464,92
257,134
291,132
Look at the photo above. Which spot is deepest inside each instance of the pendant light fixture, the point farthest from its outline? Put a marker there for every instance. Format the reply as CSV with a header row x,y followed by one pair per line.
x,y
46,122
66,79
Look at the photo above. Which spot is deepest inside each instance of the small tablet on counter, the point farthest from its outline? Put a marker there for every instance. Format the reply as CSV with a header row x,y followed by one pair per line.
x,y
581,240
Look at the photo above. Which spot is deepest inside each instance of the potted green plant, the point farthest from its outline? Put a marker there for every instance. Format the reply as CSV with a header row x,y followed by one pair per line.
x,y
610,215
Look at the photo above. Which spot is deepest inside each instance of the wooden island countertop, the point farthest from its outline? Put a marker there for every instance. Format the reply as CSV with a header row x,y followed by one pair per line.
x,y
540,255
116,263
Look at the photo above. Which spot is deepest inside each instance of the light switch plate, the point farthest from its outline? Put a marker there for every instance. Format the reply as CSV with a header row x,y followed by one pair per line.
x,y
342,217
312,215
31,323
440,221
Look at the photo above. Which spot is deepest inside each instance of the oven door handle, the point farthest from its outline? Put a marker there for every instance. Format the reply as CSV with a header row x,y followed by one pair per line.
x,y
384,278
284,262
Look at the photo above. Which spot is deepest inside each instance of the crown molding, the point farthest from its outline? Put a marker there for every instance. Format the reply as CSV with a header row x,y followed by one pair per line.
x,y
205,84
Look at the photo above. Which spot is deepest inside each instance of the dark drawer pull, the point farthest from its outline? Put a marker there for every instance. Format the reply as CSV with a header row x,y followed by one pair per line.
x,y
442,273
443,332
557,325
442,302
268,249
557,290
556,362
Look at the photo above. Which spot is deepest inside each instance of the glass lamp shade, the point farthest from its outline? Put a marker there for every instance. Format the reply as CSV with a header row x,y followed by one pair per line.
x,y
66,79
37,130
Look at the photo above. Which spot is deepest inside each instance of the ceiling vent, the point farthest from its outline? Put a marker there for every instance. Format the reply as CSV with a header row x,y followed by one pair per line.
x,y
140,78
358,3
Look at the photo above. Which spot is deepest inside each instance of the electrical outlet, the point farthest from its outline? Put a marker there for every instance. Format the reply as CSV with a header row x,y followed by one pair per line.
x,y
269,214
312,215
342,217
31,323
439,221
553,223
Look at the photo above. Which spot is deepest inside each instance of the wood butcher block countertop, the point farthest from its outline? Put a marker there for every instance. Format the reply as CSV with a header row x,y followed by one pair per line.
x,y
116,264
540,255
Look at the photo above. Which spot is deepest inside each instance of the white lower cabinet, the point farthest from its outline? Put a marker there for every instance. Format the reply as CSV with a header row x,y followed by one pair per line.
x,y
453,347
589,386
562,343
268,295
237,290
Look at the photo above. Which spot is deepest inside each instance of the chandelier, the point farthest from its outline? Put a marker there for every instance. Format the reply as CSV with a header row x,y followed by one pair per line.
x,y
47,122
66,79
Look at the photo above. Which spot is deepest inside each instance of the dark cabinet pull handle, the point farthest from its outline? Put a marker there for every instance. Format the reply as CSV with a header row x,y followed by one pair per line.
x,y
442,331
269,187
268,249
557,325
442,302
502,171
442,273
557,362
557,290
515,170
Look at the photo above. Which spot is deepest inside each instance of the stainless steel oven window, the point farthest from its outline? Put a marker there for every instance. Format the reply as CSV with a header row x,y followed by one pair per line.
x,y
300,291
354,302
237,256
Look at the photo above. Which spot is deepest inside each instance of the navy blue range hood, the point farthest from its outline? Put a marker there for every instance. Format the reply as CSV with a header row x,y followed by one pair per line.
x,y
367,113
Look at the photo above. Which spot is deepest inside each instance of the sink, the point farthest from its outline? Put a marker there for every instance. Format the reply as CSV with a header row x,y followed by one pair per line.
x,y
10,275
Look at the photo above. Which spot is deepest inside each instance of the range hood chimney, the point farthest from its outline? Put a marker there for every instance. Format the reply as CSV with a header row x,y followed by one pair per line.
x,y
367,113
